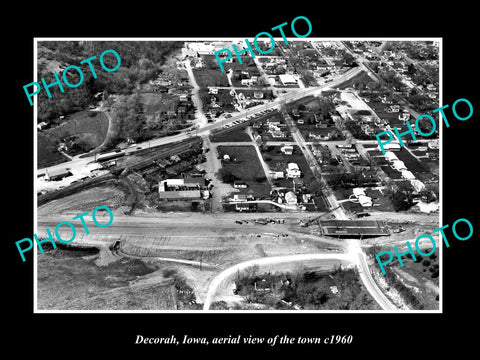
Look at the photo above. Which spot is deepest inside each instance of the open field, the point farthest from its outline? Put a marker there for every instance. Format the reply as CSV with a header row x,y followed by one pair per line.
x,y
83,131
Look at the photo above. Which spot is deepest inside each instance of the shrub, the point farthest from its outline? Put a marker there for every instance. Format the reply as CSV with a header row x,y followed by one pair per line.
x,y
426,263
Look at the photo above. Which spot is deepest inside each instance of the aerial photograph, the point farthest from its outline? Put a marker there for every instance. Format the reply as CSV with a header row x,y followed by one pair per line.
x,y
235,182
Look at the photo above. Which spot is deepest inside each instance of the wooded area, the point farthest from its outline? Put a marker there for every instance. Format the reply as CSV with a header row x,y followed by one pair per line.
x,y
140,62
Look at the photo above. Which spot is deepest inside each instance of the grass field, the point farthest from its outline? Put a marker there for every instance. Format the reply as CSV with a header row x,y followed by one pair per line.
x,y
47,154
244,163
82,132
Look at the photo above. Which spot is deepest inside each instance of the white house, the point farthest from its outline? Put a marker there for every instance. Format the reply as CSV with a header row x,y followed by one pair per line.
x,y
287,149
407,175
417,185
293,171
290,198
398,165
365,201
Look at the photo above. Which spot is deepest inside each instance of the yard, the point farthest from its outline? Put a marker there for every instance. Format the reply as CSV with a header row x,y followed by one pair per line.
x,y
418,168
277,161
47,154
245,166
223,101
81,132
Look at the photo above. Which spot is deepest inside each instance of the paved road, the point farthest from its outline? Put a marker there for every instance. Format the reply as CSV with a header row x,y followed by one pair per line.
x,y
78,162
360,260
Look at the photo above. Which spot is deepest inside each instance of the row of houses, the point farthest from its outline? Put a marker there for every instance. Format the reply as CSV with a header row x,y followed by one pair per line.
x,y
399,165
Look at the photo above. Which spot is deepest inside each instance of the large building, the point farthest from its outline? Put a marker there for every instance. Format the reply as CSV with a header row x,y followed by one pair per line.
x,y
57,174
182,189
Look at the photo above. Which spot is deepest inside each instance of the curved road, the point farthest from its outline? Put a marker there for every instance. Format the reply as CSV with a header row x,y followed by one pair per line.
x,y
222,280
355,255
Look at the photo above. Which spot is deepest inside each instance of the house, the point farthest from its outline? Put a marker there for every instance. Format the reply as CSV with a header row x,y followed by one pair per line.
x,y
245,207
239,185
213,90
365,201
287,149
395,108
242,197
417,185
407,175
398,165
434,144
183,97
175,158
57,174
290,198
277,174
392,146
226,157
404,116
278,134
301,121
293,170
258,95
358,191
42,125
390,156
